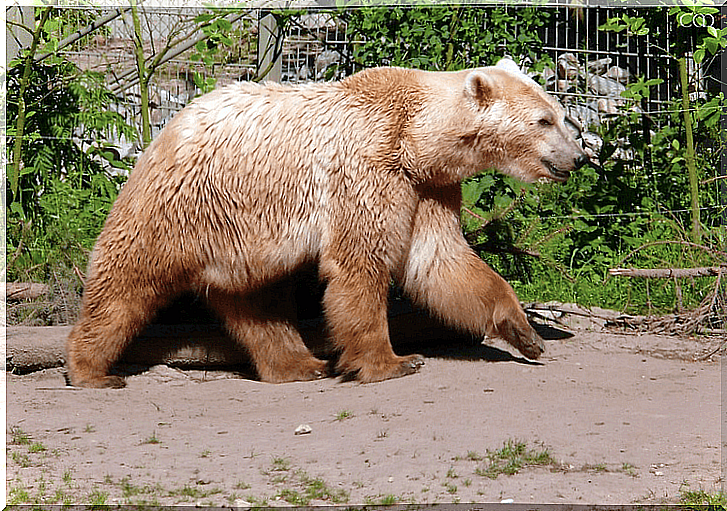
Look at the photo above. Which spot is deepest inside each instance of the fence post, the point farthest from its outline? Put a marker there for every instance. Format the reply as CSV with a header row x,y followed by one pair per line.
x,y
270,44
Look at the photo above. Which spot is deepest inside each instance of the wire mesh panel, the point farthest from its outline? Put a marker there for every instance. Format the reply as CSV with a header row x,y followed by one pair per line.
x,y
590,67
594,66
315,46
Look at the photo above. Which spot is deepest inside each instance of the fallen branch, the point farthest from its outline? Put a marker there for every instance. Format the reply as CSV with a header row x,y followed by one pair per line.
x,y
25,290
709,271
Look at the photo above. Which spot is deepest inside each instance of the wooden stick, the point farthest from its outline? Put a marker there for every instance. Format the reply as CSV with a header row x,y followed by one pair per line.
x,y
709,271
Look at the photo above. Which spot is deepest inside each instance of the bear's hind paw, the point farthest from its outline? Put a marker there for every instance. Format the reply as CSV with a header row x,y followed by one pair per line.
x,y
102,382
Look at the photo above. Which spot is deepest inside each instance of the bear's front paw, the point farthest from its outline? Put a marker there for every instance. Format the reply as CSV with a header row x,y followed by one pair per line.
x,y
523,337
534,347
393,368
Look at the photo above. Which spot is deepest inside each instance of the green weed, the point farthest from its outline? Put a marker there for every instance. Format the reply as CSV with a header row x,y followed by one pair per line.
x,y
18,495
18,436
36,447
281,464
385,500
343,415
629,469
192,492
511,458
152,440
473,456
21,459
697,499
97,498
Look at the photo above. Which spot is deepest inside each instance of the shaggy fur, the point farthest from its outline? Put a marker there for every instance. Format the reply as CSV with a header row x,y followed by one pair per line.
x,y
361,177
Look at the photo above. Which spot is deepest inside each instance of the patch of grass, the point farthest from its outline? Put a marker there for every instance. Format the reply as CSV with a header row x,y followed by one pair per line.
x,y
36,447
301,488
451,474
281,464
450,487
18,495
257,501
467,482
629,469
242,486
61,497
316,488
600,467
473,456
511,458
129,490
18,436
89,428
701,498
292,497
153,439
384,433
193,492
97,497
385,500
279,478
343,415
21,459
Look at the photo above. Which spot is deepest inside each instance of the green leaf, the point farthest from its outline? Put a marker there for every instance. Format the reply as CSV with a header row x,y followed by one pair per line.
x,y
699,55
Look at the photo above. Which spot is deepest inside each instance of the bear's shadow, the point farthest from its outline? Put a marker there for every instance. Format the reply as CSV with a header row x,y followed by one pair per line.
x,y
187,335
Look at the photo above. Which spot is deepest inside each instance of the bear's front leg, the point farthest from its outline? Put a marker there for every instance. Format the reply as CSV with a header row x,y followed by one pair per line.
x,y
444,274
356,310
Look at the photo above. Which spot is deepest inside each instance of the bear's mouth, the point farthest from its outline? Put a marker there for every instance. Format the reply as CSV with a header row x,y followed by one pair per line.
x,y
556,174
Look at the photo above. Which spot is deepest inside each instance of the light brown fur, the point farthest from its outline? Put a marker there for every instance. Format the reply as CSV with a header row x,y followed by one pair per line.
x,y
361,177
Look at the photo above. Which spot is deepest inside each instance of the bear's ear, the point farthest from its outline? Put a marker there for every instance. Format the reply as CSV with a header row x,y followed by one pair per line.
x,y
508,64
480,88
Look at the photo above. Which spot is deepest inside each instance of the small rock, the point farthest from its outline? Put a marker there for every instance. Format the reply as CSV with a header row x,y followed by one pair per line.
x,y
242,504
507,501
303,429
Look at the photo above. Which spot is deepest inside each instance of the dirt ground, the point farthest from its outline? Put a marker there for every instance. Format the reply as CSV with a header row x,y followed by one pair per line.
x,y
624,419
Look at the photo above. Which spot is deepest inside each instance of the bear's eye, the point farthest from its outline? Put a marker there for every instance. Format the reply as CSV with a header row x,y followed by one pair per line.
x,y
544,121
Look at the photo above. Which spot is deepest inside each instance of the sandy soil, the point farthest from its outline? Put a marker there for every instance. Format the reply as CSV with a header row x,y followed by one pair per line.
x,y
625,419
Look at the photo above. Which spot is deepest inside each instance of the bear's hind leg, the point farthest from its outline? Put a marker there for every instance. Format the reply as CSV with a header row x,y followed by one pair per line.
x,y
269,337
101,335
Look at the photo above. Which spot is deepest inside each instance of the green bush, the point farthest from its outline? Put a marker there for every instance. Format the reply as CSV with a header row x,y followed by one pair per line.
x,y
64,191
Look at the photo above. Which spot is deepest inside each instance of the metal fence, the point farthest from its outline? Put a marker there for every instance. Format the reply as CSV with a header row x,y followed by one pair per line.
x,y
591,67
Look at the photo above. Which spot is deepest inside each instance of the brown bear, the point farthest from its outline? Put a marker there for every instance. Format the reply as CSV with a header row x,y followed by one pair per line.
x,y
360,177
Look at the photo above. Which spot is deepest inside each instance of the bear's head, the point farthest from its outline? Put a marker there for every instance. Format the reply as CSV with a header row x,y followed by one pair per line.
x,y
491,117
522,127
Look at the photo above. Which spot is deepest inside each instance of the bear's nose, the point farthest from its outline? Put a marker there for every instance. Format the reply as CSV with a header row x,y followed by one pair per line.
x,y
581,160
